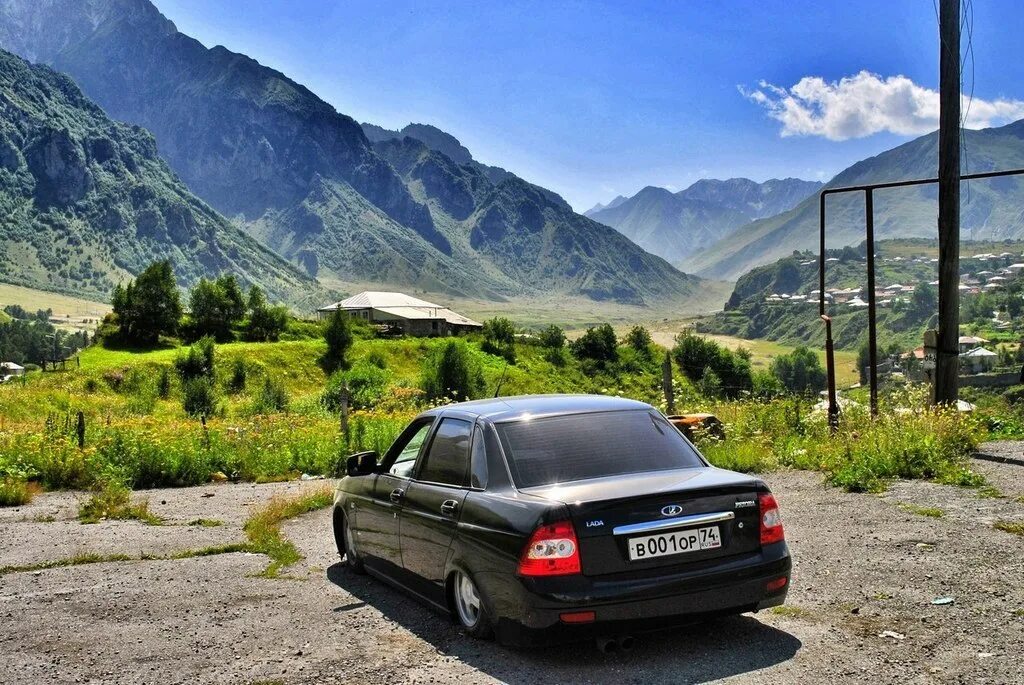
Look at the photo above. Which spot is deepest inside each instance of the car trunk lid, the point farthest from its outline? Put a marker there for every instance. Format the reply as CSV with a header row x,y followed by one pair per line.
x,y
610,514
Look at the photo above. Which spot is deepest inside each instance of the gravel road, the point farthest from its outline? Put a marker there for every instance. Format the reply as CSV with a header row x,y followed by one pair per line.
x,y
867,569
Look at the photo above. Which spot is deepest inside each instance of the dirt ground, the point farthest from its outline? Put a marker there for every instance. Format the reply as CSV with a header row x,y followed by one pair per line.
x,y
867,570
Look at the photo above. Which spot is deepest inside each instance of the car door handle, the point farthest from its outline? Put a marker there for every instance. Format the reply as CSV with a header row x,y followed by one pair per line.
x,y
449,507
397,494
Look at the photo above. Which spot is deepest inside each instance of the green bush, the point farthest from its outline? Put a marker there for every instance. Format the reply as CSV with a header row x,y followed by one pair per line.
x,y
239,376
163,383
696,355
500,338
366,384
800,371
198,362
452,372
552,337
215,307
265,323
271,398
199,398
597,344
14,492
639,339
339,338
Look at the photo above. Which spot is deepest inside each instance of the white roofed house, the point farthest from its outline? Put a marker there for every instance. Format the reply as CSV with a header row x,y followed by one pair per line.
x,y
978,360
9,370
408,314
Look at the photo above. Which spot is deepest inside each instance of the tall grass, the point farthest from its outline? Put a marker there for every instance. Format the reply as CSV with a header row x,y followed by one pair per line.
x,y
137,432
864,455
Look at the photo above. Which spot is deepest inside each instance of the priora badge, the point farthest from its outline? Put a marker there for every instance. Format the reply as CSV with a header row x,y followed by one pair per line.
x,y
671,510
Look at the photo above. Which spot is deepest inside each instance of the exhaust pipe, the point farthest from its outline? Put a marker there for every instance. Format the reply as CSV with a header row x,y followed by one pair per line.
x,y
607,645
625,642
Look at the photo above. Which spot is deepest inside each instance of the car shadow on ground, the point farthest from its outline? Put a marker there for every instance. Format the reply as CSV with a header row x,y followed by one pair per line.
x,y
721,648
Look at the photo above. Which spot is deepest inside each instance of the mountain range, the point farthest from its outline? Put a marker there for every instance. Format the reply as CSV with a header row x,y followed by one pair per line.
x,y
990,209
86,202
675,225
310,183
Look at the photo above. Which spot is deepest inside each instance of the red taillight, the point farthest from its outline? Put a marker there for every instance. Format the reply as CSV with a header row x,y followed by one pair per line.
x,y
551,551
777,584
771,519
578,616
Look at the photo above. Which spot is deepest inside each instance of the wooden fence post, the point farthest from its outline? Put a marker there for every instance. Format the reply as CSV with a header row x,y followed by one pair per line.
x,y
80,429
666,384
344,415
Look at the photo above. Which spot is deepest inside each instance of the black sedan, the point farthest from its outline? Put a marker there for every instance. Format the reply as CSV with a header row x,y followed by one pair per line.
x,y
560,516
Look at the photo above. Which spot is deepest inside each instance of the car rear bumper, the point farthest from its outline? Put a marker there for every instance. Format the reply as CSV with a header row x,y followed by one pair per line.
x,y
638,604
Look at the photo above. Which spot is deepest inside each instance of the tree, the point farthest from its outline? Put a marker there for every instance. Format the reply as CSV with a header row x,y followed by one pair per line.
x,y
552,337
264,323
925,300
149,306
694,355
198,362
597,344
709,385
216,307
640,340
500,338
338,336
452,373
800,371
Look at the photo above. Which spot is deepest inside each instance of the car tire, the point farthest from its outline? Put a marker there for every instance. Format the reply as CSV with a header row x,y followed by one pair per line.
x,y
345,540
469,607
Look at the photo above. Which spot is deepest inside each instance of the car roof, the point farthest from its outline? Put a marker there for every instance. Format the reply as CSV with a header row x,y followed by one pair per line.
x,y
501,409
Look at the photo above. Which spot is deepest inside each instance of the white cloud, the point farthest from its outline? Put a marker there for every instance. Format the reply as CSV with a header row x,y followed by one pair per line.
x,y
864,104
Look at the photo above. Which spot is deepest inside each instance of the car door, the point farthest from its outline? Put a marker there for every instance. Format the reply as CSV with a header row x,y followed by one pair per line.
x,y
377,523
430,511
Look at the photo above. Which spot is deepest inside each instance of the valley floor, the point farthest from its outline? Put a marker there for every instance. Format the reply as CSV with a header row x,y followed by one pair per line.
x,y
762,351
867,568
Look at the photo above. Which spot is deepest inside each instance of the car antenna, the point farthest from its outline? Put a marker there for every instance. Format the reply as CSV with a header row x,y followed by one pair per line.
x,y
501,379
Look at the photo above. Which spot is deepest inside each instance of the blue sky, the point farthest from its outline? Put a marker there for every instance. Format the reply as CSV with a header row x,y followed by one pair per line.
x,y
595,99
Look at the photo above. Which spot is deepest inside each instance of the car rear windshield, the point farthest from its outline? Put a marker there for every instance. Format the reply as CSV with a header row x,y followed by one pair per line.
x,y
582,446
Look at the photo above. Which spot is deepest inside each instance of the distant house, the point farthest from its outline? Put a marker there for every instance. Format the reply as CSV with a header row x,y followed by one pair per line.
x,y
401,312
969,342
10,369
979,360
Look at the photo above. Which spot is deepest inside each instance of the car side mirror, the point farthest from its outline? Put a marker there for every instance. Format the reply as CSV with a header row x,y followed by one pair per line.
x,y
361,464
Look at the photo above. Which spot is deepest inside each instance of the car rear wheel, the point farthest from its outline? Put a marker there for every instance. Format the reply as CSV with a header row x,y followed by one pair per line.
x,y
344,538
469,607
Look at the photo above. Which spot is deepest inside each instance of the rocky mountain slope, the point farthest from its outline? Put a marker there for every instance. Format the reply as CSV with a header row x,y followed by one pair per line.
x,y
306,179
86,202
675,225
991,209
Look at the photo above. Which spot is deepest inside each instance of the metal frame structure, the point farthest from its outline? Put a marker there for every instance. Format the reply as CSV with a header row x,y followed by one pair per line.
x,y
869,230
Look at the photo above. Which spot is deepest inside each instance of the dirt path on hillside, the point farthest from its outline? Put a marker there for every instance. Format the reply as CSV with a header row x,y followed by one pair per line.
x,y
864,565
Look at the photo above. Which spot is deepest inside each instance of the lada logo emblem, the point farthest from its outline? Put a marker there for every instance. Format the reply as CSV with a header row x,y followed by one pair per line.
x,y
671,510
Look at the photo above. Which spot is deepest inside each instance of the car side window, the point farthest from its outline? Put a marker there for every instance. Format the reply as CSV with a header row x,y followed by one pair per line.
x,y
406,459
447,459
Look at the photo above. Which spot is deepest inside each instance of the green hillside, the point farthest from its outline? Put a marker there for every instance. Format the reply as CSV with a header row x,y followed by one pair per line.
x,y
85,202
753,311
990,209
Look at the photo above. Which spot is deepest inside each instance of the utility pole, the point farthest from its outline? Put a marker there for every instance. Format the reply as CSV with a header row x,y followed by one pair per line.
x,y
947,354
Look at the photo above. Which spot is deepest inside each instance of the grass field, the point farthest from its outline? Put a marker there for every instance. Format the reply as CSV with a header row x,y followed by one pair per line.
x,y
62,305
74,312
762,351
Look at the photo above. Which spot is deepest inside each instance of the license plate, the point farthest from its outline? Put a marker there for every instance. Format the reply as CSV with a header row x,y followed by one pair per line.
x,y
676,542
